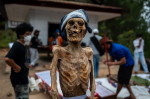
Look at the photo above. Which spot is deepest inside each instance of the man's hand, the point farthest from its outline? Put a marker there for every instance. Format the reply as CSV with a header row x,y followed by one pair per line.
x,y
17,69
12,64
104,61
110,63
140,40
110,60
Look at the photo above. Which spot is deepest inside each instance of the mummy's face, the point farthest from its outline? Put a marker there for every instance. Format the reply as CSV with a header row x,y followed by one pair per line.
x,y
75,29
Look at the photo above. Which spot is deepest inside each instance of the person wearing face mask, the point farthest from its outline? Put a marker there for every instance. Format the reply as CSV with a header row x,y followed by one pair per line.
x,y
35,42
16,59
27,40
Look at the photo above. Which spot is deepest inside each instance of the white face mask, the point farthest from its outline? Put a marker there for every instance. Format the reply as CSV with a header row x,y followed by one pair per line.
x,y
27,39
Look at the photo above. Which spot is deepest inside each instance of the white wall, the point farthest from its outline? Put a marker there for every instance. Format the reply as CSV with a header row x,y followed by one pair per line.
x,y
93,23
39,19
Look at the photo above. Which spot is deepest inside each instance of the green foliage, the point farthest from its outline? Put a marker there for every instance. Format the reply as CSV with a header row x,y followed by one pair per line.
x,y
126,39
103,28
140,81
146,37
123,29
2,25
7,36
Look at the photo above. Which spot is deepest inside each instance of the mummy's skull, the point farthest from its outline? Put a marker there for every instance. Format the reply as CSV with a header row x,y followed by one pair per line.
x,y
75,29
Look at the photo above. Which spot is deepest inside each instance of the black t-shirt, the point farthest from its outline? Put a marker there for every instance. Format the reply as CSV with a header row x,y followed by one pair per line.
x,y
18,54
35,42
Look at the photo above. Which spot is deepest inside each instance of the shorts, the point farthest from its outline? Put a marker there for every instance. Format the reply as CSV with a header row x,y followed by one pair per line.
x,y
124,74
21,91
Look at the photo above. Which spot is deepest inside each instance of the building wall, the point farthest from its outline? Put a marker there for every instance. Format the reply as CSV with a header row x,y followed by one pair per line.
x,y
93,23
40,19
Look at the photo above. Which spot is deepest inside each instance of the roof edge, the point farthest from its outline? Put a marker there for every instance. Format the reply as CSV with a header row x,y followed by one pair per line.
x,y
67,5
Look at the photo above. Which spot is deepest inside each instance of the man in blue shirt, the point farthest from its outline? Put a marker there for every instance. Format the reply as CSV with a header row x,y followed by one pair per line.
x,y
124,59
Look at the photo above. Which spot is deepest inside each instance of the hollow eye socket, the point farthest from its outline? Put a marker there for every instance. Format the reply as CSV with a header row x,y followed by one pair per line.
x,y
80,23
71,22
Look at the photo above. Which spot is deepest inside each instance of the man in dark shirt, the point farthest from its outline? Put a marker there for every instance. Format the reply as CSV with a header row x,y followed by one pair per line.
x,y
33,48
16,59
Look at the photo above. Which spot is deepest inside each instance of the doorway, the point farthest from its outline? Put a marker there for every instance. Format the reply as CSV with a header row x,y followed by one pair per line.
x,y
52,27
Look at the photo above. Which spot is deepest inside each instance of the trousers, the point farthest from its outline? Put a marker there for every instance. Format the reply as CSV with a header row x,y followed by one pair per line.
x,y
96,59
140,56
34,55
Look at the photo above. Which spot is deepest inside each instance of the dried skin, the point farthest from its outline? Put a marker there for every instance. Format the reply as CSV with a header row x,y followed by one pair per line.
x,y
75,64
75,29
74,71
